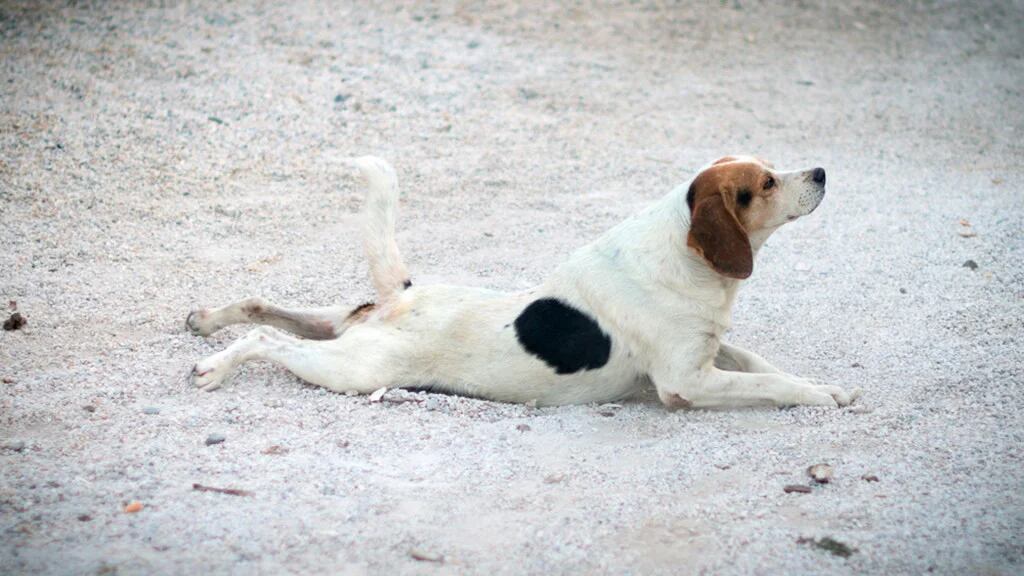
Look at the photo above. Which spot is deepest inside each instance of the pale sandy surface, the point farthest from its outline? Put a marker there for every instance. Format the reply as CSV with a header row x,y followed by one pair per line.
x,y
519,133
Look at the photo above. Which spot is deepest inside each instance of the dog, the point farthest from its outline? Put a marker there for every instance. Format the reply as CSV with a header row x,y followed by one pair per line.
x,y
646,303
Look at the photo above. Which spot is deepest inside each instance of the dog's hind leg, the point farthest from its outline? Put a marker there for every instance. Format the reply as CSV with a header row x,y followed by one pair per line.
x,y
362,359
313,323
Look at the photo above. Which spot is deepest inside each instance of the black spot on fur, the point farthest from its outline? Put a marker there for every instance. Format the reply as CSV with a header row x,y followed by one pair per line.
x,y
744,197
563,337
406,284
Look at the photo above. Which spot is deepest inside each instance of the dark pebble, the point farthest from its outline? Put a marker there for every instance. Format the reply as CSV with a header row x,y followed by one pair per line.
x,y
523,427
903,290
971,264
15,322
89,408
84,517
215,438
150,410
798,488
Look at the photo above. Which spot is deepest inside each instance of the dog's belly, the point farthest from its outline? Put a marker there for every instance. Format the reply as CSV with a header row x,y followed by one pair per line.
x,y
519,347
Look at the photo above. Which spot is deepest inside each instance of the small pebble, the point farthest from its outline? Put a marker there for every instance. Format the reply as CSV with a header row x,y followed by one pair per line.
x,y
84,517
971,264
89,408
821,473
15,322
869,478
133,507
798,488
378,394
425,556
14,445
150,410
215,438
523,427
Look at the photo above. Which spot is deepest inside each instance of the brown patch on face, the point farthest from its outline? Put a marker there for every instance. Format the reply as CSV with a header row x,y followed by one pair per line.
x,y
726,201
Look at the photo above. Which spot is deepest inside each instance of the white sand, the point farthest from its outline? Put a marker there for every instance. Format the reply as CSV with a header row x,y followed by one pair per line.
x,y
519,134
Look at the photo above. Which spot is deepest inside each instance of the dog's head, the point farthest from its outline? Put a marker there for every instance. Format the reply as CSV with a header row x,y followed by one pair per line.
x,y
741,198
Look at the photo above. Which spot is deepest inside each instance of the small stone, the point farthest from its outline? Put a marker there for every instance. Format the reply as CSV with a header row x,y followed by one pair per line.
x,y
798,488
151,410
523,427
903,290
425,556
89,408
15,322
84,517
215,438
869,478
14,445
378,394
473,44
606,413
340,98
970,264
830,545
133,507
820,473
528,94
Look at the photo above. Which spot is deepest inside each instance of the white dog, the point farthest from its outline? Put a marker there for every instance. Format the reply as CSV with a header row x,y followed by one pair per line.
x,y
647,302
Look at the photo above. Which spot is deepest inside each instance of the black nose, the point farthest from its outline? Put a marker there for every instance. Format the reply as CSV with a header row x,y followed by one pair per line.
x,y
819,176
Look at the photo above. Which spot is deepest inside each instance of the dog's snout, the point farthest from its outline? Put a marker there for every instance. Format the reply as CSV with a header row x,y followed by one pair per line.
x,y
818,175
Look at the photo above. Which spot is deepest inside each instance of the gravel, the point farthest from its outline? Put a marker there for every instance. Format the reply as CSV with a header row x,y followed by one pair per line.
x,y
158,157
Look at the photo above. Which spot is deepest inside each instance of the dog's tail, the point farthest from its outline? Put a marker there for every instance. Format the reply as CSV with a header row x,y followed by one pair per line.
x,y
387,271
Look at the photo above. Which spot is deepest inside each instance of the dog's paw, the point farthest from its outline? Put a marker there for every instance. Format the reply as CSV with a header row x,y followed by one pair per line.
x,y
841,396
198,323
208,374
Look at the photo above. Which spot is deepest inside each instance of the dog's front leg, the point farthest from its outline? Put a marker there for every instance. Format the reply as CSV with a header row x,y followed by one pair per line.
x,y
716,388
731,357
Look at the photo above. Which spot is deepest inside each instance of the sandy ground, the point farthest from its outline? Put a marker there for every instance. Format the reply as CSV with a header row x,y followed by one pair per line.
x,y
157,158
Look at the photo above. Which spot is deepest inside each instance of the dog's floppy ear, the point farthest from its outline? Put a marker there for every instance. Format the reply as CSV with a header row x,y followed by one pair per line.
x,y
716,234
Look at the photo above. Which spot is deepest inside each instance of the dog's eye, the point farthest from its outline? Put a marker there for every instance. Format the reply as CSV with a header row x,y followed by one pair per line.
x,y
769,183
744,197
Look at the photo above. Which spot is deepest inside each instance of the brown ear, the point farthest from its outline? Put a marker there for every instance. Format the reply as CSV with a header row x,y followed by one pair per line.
x,y
716,234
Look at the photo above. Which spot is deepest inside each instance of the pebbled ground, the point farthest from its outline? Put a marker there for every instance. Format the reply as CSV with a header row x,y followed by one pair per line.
x,y
156,157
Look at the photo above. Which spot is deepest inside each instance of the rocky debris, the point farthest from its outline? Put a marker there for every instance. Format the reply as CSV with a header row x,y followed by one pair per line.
x,y
215,438
14,445
15,322
425,556
797,488
830,545
820,473
229,491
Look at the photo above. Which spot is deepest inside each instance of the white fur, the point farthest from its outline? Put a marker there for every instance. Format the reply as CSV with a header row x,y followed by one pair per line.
x,y
663,307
